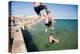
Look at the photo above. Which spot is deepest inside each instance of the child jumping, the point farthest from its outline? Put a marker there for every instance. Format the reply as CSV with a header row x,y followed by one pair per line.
x,y
38,7
49,21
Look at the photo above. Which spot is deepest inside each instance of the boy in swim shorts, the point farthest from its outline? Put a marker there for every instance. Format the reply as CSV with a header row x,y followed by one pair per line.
x,y
48,21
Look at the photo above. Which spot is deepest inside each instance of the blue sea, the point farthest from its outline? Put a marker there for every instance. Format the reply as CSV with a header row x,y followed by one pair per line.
x,y
66,30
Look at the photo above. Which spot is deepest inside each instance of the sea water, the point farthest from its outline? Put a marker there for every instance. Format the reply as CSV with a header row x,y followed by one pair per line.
x,y
66,31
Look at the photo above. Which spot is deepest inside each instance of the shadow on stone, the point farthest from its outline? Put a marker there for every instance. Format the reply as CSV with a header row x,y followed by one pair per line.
x,y
30,45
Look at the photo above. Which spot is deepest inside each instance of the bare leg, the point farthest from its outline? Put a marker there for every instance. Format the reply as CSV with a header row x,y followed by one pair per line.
x,y
52,26
56,40
46,29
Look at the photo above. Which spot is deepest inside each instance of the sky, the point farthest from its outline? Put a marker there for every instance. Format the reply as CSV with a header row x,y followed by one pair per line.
x,y
59,11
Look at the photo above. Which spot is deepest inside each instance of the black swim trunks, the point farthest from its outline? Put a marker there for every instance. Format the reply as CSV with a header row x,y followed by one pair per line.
x,y
48,24
39,8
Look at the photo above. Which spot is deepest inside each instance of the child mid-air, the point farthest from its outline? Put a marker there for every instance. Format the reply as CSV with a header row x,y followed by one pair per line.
x,y
49,21
38,7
